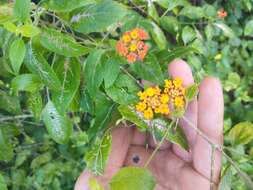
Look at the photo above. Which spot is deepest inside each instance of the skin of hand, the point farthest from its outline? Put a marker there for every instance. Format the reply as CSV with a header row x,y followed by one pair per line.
x,y
172,167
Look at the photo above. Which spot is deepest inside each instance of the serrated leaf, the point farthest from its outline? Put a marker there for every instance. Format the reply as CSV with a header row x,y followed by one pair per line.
x,y
68,71
6,148
175,135
98,17
132,178
248,30
242,133
58,125
156,33
111,71
17,54
38,65
60,43
97,157
149,70
67,5
93,72
26,82
120,95
22,10
232,81
192,12
226,29
191,92
170,24
3,185
188,34
35,104
130,114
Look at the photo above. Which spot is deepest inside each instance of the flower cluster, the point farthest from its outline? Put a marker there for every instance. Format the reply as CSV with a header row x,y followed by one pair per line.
x,y
132,46
222,13
154,100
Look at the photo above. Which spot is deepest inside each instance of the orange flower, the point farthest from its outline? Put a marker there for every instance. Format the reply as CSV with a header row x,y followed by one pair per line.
x,y
143,35
222,13
121,48
131,57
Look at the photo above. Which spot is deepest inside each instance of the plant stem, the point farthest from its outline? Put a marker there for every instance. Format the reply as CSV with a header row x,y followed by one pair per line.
x,y
159,145
16,117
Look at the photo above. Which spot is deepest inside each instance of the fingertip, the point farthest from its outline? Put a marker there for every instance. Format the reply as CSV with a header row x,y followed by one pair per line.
x,y
179,68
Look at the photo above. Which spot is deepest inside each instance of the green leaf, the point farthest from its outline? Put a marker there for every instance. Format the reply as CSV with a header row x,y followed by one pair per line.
x,y
68,71
26,82
97,157
111,71
94,185
152,12
38,65
166,56
248,30
58,125
93,71
9,103
133,178
192,12
67,5
171,4
188,34
22,157
35,104
226,30
191,92
149,70
60,43
170,24
22,10
232,82
120,95
226,179
131,115
3,185
6,13
176,134
242,133
40,160
98,17
28,30
6,148
79,138
17,54
156,33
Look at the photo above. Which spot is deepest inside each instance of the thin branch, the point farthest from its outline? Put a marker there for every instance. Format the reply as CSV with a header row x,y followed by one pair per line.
x,y
16,117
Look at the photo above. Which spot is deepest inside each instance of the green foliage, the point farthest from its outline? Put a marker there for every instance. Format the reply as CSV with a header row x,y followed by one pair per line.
x,y
132,178
63,84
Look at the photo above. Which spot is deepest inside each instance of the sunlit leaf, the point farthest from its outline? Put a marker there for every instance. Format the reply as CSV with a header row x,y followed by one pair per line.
x,y
133,178
22,10
191,92
58,124
241,133
188,34
6,148
94,185
96,158
67,5
248,30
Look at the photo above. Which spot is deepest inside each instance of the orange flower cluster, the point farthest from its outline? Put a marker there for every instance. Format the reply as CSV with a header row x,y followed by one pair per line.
x,y
132,46
222,13
156,101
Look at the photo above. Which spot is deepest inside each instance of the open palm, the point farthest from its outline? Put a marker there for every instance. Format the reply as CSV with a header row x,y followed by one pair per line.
x,y
172,167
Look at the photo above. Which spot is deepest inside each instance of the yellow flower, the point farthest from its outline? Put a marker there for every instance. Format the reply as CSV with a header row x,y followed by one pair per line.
x,y
134,34
164,98
179,102
126,38
142,95
157,90
133,47
148,114
150,91
141,106
154,101
177,82
168,84
164,109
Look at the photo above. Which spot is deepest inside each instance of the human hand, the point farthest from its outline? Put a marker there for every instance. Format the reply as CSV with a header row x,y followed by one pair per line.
x,y
172,167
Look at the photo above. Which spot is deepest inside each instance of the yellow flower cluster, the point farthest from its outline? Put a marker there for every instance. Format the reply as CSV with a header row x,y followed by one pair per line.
x,y
156,101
